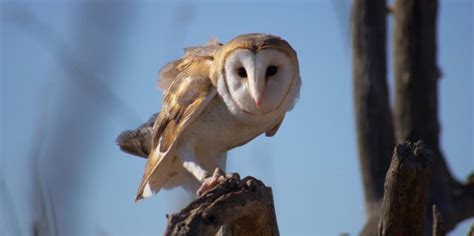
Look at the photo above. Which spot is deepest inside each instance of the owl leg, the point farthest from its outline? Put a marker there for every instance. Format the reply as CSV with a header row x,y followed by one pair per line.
x,y
208,182
212,181
191,164
222,161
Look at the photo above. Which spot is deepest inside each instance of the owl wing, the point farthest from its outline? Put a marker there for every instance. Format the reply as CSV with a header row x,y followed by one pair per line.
x,y
171,71
185,99
137,141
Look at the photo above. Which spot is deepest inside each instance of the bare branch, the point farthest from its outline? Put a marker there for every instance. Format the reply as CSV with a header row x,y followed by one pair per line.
x,y
416,104
371,104
464,197
438,228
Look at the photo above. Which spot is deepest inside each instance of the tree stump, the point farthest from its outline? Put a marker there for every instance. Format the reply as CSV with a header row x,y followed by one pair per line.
x,y
235,207
406,190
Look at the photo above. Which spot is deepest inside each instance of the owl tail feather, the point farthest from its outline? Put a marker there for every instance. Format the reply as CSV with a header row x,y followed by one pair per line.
x,y
155,177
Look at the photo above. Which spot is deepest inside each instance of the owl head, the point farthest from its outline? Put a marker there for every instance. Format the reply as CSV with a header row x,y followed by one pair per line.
x,y
256,74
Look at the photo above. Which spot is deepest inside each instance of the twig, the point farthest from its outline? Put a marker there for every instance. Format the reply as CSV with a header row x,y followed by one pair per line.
x,y
438,229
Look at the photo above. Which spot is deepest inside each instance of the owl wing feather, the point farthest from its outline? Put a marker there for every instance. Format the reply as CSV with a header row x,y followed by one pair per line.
x,y
170,71
137,141
184,100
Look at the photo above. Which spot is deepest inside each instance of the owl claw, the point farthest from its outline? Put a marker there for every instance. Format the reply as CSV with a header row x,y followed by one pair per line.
x,y
210,182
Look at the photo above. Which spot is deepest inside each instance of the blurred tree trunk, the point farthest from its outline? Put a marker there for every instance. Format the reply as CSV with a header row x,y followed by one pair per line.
x,y
416,104
371,105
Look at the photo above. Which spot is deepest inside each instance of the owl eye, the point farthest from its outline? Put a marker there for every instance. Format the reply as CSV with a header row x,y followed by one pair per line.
x,y
272,70
242,72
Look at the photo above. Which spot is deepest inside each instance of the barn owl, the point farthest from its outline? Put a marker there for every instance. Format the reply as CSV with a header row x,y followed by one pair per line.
x,y
217,97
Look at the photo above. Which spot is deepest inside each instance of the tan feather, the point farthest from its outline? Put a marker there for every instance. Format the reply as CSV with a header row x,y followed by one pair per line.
x,y
137,141
184,100
170,71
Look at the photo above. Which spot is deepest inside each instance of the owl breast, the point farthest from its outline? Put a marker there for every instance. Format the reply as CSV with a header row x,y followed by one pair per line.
x,y
217,130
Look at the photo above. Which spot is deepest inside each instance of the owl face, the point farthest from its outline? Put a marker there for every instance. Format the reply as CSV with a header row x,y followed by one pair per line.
x,y
258,82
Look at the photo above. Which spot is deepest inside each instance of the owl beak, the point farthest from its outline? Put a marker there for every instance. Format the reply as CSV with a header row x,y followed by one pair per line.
x,y
256,89
257,103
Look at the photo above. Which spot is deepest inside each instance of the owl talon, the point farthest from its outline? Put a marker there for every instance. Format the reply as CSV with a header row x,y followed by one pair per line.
x,y
211,182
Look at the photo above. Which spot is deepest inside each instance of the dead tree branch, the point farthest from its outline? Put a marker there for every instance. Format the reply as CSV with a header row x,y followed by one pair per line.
x,y
373,117
243,207
416,104
415,109
406,190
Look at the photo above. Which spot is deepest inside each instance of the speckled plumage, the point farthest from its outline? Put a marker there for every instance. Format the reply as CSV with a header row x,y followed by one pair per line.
x,y
207,110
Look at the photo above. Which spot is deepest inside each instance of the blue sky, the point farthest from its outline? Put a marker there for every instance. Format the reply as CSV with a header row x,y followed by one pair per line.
x,y
311,163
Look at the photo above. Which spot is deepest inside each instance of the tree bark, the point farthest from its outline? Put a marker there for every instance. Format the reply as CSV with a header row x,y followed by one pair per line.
x,y
239,207
416,104
438,228
406,190
371,104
